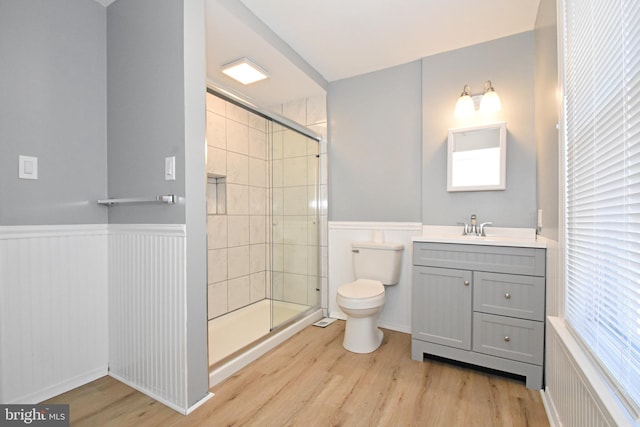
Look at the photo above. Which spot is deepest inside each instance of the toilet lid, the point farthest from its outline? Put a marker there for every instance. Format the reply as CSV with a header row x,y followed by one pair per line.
x,y
361,288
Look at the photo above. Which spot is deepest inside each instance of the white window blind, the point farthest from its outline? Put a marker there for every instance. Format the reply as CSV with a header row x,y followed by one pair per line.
x,y
602,113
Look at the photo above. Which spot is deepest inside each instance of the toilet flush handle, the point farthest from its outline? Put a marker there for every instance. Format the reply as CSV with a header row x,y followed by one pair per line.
x,y
355,251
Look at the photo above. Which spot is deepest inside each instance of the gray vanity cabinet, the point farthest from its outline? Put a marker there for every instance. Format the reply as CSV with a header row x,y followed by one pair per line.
x,y
448,319
482,305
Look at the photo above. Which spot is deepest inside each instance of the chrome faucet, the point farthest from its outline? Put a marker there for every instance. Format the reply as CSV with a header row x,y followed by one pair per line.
x,y
482,226
473,228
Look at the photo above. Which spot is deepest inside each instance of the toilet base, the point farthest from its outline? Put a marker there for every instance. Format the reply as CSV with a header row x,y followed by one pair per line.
x,y
361,334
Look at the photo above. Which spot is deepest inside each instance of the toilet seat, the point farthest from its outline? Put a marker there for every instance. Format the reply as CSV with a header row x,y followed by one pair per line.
x,y
361,294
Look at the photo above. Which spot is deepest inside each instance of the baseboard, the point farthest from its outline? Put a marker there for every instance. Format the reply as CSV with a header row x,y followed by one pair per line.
x,y
550,409
199,403
63,387
154,396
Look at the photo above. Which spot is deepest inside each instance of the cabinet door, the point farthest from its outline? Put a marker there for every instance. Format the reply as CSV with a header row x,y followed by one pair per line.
x,y
441,306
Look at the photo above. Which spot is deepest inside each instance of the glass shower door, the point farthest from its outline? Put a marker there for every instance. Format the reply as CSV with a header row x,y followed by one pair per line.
x,y
294,225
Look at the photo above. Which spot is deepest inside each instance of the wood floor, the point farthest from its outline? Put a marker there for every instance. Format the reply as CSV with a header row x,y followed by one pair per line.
x,y
312,381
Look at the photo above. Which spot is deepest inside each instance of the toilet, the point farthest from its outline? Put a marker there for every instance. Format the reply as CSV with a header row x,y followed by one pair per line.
x,y
375,265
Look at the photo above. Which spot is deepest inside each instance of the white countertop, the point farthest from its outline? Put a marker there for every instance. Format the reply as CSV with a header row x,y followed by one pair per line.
x,y
495,236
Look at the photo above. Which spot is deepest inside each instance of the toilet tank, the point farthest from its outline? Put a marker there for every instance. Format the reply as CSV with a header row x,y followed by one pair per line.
x,y
377,261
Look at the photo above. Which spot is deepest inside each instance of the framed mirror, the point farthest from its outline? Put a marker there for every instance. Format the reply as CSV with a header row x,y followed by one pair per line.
x,y
477,157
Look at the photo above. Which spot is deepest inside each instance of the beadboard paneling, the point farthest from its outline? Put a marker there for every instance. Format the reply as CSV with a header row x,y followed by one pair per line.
x,y
53,310
396,313
575,394
147,310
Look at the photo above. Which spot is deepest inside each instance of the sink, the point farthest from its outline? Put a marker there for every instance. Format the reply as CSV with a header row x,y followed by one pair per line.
x,y
496,236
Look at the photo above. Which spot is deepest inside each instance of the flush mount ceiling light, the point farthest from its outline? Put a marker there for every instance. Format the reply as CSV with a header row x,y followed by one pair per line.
x,y
466,104
244,71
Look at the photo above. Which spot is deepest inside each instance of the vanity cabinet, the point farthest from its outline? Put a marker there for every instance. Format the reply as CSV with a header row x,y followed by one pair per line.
x,y
480,304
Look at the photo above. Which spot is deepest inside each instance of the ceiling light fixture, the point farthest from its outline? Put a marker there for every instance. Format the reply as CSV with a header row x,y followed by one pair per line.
x,y
244,71
489,101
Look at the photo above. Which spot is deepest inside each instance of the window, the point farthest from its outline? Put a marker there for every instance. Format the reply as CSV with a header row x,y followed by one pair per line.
x,y
602,230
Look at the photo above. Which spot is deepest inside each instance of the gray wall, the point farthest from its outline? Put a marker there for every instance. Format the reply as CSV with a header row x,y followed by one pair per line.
x,y
508,63
547,105
195,172
156,108
53,107
374,146
145,76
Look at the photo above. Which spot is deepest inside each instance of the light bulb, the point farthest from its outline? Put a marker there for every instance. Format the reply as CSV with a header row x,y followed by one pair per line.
x,y
490,101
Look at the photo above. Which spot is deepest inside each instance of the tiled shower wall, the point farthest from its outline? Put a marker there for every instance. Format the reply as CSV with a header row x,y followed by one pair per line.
x,y
294,218
236,206
312,113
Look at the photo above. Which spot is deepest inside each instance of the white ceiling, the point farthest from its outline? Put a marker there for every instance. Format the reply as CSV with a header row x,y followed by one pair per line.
x,y
345,38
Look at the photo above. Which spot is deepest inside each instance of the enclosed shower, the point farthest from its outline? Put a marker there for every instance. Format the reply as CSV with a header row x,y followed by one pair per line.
x,y
262,225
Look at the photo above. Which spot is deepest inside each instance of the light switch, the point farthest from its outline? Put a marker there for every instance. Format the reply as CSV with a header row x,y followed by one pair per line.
x,y
170,168
27,167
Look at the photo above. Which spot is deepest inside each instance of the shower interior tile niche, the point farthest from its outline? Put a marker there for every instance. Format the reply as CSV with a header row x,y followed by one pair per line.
x,y
263,221
216,196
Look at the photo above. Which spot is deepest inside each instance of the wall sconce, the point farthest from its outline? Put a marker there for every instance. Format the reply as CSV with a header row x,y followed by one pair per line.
x,y
465,106
489,102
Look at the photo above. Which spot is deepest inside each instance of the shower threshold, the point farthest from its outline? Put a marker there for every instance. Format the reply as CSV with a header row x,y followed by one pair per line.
x,y
238,338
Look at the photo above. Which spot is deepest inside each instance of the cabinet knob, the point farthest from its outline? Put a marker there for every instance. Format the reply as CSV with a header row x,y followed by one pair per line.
x,y
466,283
507,296
507,339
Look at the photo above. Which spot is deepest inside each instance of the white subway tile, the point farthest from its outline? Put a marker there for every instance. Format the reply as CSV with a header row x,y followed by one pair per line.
x,y
238,230
216,130
239,291
237,137
217,299
257,258
257,229
237,199
237,168
238,262
237,114
217,265
216,231
216,104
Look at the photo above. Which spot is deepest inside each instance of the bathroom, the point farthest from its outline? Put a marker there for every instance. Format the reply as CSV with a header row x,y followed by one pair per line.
x,y
394,191
398,186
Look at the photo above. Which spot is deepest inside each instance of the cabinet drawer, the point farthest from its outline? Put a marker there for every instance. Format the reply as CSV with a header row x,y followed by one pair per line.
x,y
509,295
515,339
496,259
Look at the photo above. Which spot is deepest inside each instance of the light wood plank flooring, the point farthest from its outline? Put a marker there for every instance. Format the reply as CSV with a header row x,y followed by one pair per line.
x,y
312,381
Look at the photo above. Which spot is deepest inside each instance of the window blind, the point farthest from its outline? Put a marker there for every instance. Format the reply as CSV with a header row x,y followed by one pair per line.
x,y
602,225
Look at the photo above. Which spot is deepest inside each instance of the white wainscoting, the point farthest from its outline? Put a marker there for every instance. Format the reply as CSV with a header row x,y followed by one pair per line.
x,y
147,310
396,314
575,394
53,309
